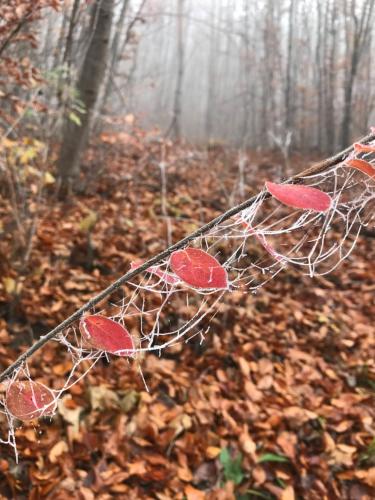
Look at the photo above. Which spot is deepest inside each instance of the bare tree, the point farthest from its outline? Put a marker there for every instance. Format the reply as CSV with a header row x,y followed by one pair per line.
x,y
113,54
289,106
75,135
357,38
175,126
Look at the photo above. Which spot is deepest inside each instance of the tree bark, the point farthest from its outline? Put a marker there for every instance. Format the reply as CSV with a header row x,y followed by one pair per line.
x,y
362,30
114,55
289,107
175,126
75,136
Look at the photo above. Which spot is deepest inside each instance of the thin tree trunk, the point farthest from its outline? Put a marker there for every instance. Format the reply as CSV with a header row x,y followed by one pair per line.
x,y
75,136
175,126
211,66
65,79
247,79
362,30
329,104
114,55
288,87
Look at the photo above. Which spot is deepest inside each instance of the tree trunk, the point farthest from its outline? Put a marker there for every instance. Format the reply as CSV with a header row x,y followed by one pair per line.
x,y
210,106
75,136
289,107
175,126
114,55
362,31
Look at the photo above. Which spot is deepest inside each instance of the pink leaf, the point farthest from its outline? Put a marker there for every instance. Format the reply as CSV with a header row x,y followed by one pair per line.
x,y
107,335
305,197
364,148
362,165
199,269
28,400
169,278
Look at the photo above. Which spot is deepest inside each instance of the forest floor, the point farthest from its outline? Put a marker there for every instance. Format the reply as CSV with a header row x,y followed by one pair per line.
x,y
278,403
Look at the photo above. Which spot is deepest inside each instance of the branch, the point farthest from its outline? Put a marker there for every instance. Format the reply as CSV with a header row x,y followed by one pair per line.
x,y
315,169
15,31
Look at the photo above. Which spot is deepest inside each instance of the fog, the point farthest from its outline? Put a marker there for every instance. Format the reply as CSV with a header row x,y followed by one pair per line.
x,y
253,70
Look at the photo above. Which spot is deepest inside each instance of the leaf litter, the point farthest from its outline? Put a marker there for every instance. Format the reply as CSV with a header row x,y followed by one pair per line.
x,y
287,373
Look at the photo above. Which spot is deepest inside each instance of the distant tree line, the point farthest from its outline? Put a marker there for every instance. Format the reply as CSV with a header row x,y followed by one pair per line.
x,y
246,73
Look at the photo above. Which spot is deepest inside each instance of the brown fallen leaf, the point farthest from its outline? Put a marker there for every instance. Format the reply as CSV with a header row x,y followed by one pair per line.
x,y
212,452
259,475
253,393
194,494
366,476
57,450
288,494
287,442
184,474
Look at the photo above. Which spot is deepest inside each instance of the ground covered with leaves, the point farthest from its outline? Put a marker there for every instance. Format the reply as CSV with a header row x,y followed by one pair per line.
x,y
277,403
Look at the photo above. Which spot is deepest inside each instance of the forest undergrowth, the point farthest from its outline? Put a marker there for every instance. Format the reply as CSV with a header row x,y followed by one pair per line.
x,y
277,402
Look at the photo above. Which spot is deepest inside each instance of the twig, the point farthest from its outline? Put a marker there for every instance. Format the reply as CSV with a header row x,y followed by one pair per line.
x,y
14,32
315,169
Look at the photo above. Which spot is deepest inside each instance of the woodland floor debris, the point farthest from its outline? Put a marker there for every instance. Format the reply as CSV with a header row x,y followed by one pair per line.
x,y
285,380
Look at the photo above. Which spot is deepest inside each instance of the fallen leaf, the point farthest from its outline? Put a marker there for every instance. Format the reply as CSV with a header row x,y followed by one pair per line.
x,y
194,494
57,450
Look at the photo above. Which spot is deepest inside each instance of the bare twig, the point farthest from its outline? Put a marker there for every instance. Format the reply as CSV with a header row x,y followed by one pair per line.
x,y
315,169
14,32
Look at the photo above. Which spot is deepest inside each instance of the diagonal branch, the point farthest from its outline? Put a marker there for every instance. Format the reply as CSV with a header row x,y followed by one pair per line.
x,y
15,31
315,169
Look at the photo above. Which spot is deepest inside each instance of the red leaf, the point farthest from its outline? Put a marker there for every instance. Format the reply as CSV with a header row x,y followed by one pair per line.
x,y
305,197
199,269
107,335
362,165
28,400
364,148
169,278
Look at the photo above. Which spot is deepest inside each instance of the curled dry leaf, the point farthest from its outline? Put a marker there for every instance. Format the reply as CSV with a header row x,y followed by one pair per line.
x,y
106,335
199,269
27,400
304,197
364,148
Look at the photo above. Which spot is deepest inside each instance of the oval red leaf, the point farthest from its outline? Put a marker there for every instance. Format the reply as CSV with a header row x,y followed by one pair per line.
x,y
107,335
199,269
305,197
27,400
362,165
